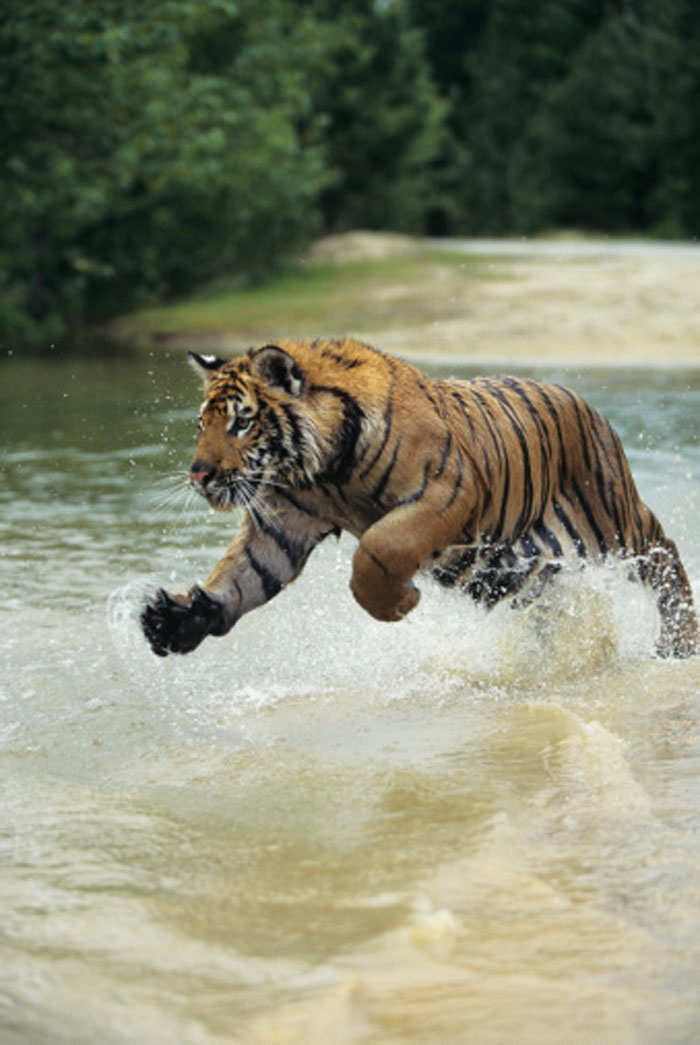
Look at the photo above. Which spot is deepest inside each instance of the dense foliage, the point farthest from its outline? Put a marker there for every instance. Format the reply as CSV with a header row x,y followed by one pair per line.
x,y
150,148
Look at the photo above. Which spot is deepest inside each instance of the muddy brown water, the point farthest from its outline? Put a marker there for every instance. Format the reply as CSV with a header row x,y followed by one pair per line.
x,y
465,827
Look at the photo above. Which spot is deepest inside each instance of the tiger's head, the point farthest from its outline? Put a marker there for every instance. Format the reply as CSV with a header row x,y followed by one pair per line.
x,y
255,428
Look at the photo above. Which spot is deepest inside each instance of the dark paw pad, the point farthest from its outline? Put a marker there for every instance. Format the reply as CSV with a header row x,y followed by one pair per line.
x,y
177,624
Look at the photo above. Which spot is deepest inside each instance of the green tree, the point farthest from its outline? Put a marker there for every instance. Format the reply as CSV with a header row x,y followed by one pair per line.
x,y
588,157
382,117
453,30
674,45
526,49
132,170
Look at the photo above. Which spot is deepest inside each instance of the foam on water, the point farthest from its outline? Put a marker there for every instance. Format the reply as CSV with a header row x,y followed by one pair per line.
x,y
314,639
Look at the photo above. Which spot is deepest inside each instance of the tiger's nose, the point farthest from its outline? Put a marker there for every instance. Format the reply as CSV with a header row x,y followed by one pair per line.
x,y
201,473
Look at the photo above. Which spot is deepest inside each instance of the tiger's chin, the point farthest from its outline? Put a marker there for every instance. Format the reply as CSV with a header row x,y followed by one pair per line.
x,y
221,499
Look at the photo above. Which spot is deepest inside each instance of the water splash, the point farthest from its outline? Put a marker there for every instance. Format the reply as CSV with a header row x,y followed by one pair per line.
x,y
313,636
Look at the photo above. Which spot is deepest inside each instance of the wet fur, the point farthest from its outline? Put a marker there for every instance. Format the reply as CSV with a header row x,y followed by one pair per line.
x,y
489,483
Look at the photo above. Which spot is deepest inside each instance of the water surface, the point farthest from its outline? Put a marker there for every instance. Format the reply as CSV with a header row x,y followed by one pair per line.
x,y
465,827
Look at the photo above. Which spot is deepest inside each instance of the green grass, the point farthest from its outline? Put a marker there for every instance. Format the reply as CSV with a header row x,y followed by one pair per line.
x,y
316,298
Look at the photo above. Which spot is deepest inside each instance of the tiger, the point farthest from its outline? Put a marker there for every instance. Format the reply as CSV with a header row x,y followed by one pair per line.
x,y
489,484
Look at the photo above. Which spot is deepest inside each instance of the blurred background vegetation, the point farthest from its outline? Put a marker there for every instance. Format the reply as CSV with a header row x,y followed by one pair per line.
x,y
150,148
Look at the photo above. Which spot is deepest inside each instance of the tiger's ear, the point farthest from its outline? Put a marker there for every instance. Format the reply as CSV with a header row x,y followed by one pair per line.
x,y
278,369
205,366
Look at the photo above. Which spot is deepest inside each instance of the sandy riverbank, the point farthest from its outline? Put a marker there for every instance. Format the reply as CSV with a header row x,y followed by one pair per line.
x,y
493,303
572,302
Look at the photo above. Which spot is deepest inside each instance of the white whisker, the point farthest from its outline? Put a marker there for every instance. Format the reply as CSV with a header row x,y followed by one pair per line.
x,y
260,479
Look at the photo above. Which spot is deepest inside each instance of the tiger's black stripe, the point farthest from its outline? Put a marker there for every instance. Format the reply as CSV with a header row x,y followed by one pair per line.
x,y
417,494
502,458
340,469
553,413
378,490
487,482
376,560
590,518
297,442
530,549
270,418
545,442
571,530
306,509
617,471
450,572
343,361
606,492
433,402
528,491
456,487
574,399
387,420
479,400
445,454
548,538
271,585
628,483
296,551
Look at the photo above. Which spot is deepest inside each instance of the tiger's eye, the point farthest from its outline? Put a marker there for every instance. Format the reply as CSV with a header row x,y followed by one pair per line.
x,y
239,426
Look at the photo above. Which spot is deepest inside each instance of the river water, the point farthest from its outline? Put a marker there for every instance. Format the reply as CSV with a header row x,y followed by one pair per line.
x,y
462,828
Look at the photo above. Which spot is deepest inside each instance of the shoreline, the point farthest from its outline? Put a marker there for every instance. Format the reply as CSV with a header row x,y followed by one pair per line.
x,y
486,303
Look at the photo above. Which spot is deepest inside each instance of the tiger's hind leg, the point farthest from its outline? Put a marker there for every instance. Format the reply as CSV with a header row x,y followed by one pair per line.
x,y
502,575
661,570
537,585
491,573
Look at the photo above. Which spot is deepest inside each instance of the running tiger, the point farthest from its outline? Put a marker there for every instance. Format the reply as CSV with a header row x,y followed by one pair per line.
x,y
488,483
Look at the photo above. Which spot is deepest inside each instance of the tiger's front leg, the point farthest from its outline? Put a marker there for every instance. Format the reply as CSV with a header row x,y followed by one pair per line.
x,y
268,552
392,550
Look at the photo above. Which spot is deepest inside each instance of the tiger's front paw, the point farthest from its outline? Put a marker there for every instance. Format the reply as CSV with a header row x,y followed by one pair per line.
x,y
386,605
178,623
381,595
410,597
